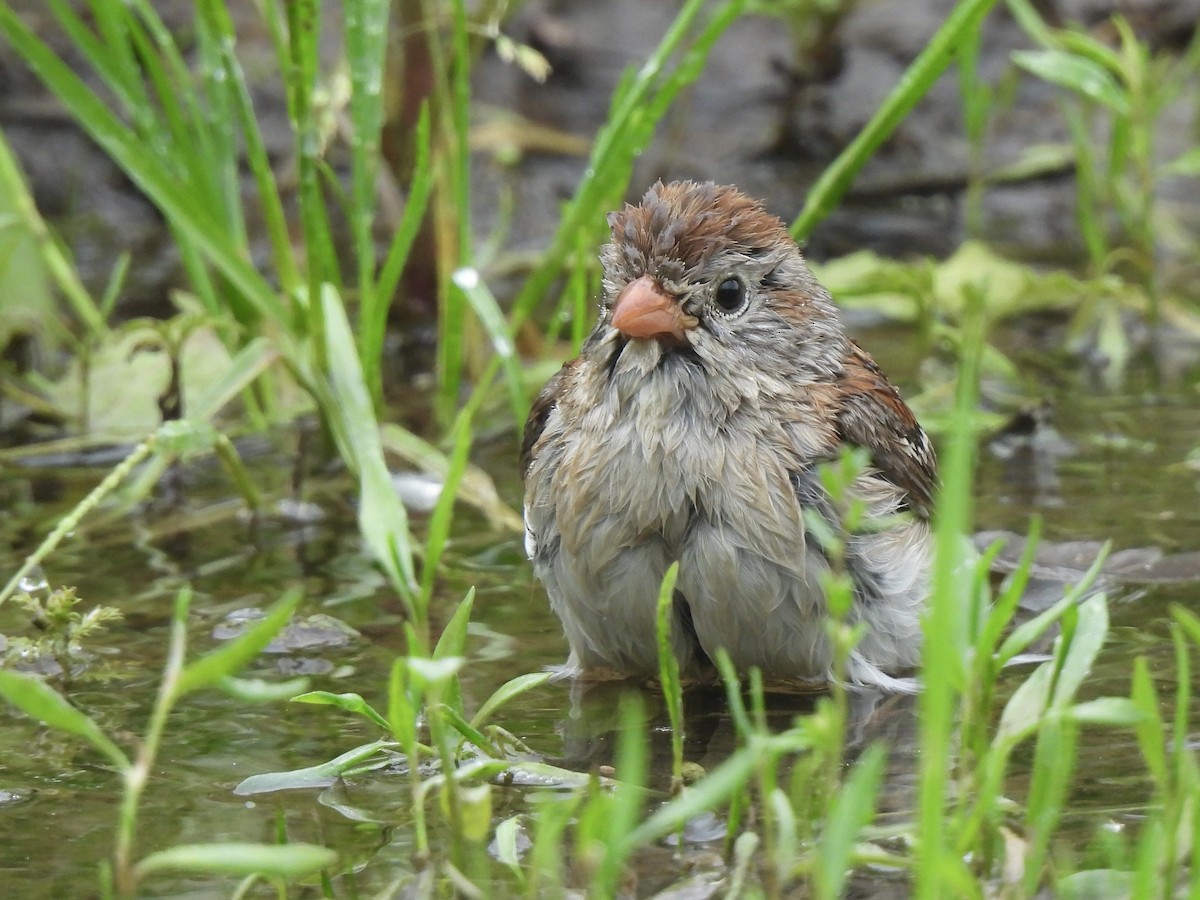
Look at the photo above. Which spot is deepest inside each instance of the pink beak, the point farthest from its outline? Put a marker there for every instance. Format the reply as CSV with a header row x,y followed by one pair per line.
x,y
644,310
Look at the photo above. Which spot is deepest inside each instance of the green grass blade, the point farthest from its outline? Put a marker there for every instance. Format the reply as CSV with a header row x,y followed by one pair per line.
x,y
188,213
852,811
349,702
942,661
443,511
38,700
366,30
913,85
235,654
668,668
623,136
351,415
468,282
506,692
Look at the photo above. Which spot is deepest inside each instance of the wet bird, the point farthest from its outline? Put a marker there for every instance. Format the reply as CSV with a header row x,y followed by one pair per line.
x,y
691,427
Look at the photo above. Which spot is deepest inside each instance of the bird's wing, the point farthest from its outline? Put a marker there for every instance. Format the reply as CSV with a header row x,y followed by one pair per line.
x,y
872,415
543,405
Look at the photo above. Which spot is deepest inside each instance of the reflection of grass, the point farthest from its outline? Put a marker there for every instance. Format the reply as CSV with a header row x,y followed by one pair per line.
x,y
794,810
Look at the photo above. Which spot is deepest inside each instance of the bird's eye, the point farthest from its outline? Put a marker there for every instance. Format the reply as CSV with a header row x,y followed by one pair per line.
x,y
731,296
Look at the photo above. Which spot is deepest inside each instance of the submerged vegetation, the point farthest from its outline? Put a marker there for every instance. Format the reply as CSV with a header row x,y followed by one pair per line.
x,y
291,271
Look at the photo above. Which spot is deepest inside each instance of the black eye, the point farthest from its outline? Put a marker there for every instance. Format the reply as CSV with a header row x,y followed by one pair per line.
x,y
731,295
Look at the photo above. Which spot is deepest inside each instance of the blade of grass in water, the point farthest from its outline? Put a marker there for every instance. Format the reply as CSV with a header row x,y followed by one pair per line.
x,y
381,515
942,669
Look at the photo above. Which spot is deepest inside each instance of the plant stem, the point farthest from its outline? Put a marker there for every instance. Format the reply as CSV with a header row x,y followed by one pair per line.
x,y
138,774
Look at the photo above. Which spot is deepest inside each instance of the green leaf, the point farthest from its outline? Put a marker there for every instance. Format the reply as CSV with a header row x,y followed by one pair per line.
x,y
463,727
235,654
319,776
272,860
258,690
381,516
730,776
1107,711
349,702
404,699
916,81
247,364
1028,632
1186,164
434,671
453,640
1077,73
1151,735
1088,638
507,692
852,811
492,317
1026,707
507,852
38,700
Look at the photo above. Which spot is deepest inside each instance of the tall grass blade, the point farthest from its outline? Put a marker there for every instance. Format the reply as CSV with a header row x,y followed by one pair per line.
x,y
38,700
913,85
351,415
233,656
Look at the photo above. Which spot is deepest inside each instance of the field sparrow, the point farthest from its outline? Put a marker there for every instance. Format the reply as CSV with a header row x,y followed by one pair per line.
x,y
690,428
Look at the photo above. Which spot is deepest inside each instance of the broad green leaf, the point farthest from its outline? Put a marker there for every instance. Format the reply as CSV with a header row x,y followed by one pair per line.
x,y
38,700
507,850
1085,644
235,654
272,860
1151,734
360,758
1026,707
349,702
1077,73
507,692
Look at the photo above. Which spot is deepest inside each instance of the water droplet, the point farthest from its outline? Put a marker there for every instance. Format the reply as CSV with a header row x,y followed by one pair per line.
x,y
466,278
34,582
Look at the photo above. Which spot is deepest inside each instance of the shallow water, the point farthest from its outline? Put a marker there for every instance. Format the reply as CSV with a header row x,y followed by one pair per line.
x,y
1115,468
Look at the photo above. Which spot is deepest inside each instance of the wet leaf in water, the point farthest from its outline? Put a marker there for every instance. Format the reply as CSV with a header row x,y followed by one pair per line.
x,y
278,861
